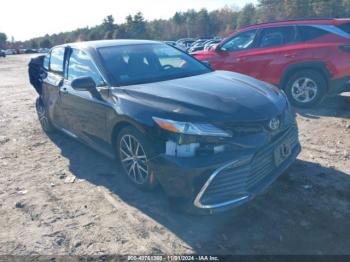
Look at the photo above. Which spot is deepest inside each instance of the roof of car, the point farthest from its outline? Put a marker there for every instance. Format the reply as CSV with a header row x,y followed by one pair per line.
x,y
324,21
107,43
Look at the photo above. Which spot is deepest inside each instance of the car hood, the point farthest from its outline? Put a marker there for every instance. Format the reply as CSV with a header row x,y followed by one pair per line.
x,y
214,96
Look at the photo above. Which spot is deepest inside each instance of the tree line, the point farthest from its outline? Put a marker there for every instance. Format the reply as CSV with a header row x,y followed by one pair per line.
x,y
196,24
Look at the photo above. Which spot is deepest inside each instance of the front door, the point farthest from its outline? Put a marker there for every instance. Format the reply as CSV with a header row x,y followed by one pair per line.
x,y
234,54
86,110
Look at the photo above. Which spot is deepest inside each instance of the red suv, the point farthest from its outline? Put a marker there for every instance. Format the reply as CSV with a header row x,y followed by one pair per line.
x,y
306,58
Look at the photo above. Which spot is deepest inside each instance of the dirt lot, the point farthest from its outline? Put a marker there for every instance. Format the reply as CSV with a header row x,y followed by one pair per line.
x,y
307,211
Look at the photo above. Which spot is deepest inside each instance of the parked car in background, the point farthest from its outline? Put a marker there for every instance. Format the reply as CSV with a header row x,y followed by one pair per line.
x,y
172,43
10,51
197,45
211,43
43,50
31,51
185,43
307,58
212,139
2,53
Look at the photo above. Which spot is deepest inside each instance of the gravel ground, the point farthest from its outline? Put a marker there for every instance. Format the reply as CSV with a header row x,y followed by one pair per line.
x,y
42,211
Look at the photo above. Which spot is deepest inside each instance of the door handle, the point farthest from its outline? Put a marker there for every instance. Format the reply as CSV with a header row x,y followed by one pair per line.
x,y
241,59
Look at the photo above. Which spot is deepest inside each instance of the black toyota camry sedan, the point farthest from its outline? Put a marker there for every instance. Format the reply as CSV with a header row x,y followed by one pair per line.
x,y
211,139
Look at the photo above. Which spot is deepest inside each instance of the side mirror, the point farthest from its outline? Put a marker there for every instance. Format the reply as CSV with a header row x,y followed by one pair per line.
x,y
206,63
214,47
220,49
85,83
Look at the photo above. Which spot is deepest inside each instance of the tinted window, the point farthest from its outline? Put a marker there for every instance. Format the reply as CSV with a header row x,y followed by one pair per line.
x,y
308,33
46,62
80,65
56,60
135,64
241,41
345,27
276,36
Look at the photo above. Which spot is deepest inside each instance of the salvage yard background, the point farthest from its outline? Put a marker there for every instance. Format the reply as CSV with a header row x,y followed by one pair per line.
x,y
57,196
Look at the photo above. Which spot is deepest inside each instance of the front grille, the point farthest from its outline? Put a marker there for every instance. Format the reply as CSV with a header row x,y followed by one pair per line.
x,y
232,182
286,120
246,128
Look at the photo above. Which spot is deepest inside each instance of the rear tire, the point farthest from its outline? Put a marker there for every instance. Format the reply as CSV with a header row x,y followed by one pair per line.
x,y
306,88
134,152
43,116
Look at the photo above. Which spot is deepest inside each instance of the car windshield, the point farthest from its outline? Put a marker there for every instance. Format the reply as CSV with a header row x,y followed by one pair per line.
x,y
146,63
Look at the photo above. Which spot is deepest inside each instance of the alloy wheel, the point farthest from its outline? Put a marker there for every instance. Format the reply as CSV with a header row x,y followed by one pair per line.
x,y
304,90
133,159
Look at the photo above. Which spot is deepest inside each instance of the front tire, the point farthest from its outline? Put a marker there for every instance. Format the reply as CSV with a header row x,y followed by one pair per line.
x,y
134,152
306,88
43,116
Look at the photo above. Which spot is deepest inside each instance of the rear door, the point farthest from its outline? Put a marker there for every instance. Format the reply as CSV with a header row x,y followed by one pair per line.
x,y
52,81
276,47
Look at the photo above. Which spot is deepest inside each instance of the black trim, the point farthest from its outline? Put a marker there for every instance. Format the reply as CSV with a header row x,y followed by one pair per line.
x,y
316,65
337,86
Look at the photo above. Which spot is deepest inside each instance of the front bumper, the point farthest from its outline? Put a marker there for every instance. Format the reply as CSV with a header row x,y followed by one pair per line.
x,y
224,181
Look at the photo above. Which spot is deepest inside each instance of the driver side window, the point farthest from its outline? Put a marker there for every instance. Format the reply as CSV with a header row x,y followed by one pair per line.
x,y
80,65
241,41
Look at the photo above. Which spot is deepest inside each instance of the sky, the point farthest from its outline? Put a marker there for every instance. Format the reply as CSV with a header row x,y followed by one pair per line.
x,y
24,20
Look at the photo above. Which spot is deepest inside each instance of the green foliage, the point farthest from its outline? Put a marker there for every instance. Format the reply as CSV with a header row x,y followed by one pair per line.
x,y
135,27
247,16
108,23
34,44
3,39
45,42
197,24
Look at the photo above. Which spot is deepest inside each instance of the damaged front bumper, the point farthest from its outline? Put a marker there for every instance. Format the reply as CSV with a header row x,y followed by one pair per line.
x,y
225,180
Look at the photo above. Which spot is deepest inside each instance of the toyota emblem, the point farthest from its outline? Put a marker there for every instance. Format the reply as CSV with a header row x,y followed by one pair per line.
x,y
274,124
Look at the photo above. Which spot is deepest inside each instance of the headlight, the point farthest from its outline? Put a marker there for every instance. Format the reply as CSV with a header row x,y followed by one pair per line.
x,y
190,128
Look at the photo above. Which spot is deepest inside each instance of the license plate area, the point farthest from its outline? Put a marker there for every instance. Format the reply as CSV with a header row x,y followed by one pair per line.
x,y
282,152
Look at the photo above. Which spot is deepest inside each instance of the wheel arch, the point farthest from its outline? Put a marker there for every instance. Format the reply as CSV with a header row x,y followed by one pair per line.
x,y
116,130
317,66
125,122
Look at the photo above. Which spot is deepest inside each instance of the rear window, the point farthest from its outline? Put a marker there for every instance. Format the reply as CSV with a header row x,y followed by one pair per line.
x,y
276,36
56,60
308,33
344,27
46,62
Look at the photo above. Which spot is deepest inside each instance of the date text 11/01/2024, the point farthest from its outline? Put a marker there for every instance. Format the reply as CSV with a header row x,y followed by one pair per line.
x,y
174,258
